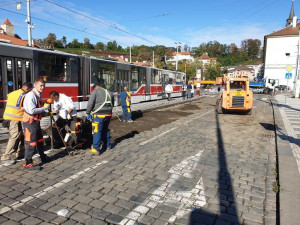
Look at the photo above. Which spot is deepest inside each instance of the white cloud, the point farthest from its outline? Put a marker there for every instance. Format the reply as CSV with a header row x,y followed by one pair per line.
x,y
225,35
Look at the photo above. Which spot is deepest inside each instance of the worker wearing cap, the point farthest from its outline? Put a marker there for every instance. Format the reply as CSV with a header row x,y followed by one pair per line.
x,y
99,109
14,114
33,132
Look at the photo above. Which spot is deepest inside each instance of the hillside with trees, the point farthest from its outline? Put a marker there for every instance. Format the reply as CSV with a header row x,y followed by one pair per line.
x,y
249,52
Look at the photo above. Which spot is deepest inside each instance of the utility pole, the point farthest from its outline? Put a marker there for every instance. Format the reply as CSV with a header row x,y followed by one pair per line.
x,y
296,79
28,21
130,54
153,60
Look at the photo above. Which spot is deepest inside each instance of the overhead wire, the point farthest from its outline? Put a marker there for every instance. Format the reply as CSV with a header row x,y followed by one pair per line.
x,y
99,21
14,3
72,28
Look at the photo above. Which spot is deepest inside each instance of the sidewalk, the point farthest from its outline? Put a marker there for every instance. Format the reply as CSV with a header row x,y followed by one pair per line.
x,y
287,120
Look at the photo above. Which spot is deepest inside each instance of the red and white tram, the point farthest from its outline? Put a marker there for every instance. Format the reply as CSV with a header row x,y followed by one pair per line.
x,y
74,75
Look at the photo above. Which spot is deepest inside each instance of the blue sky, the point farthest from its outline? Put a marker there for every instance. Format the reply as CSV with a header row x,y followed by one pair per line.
x,y
190,22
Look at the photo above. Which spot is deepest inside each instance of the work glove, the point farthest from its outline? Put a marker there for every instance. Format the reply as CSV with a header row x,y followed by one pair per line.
x,y
49,113
89,117
46,106
69,117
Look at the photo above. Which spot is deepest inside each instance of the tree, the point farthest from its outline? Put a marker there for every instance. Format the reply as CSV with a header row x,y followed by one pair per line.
x,y
64,41
75,44
50,40
144,53
87,44
58,44
100,46
112,46
252,47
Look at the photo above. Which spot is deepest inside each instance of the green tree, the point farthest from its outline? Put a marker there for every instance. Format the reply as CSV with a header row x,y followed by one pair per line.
x,y
75,44
58,44
100,46
112,46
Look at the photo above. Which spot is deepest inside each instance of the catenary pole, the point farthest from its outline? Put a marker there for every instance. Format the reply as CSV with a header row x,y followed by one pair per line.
x,y
29,24
296,79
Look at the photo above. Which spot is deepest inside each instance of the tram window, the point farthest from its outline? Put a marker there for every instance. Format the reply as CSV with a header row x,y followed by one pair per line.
x,y
179,78
105,74
9,72
137,78
28,71
57,68
19,74
156,76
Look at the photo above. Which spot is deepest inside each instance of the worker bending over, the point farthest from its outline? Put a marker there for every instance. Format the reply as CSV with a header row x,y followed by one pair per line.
x,y
66,109
14,114
99,109
125,103
33,132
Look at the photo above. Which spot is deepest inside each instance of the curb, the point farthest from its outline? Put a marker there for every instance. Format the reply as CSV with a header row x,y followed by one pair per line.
x,y
289,179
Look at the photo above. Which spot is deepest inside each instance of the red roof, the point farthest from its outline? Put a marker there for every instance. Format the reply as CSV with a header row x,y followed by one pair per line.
x,y
7,22
182,53
286,31
14,40
204,56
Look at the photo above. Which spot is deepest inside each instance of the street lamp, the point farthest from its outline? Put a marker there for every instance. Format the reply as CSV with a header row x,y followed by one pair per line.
x,y
177,43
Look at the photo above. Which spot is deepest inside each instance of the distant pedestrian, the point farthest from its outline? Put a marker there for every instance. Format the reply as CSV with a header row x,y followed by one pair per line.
x,y
184,88
189,90
125,103
13,114
169,90
192,91
99,109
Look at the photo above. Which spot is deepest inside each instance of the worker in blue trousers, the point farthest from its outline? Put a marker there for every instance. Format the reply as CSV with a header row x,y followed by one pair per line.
x,y
125,103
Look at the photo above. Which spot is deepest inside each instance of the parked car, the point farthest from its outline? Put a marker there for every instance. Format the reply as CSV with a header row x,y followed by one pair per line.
x,y
281,87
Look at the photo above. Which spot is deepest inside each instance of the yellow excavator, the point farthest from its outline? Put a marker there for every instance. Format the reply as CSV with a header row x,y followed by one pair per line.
x,y
236,96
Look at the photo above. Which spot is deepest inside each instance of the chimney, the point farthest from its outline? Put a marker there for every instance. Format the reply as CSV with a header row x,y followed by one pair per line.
x,y
294,21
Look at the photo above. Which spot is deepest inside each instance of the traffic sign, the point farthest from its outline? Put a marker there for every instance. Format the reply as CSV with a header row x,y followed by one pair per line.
x,y
288,75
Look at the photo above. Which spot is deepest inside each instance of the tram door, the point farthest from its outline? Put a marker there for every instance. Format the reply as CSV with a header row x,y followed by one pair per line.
x,y
123,79
14,72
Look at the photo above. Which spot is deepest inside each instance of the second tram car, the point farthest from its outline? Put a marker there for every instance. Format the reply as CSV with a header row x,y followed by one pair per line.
x,y
75,75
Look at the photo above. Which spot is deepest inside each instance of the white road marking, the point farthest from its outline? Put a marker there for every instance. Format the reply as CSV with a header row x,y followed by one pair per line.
x,y
49,189
186,122
152,139
166,194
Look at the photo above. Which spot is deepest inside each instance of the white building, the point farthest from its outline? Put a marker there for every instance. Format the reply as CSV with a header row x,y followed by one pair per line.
x,y
188,56
281,51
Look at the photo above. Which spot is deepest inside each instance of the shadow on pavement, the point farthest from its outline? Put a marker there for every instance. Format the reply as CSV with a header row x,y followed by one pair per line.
x,y
228,212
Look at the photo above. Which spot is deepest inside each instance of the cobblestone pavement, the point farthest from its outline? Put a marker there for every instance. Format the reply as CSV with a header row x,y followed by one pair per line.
x,y
290,112
201,169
